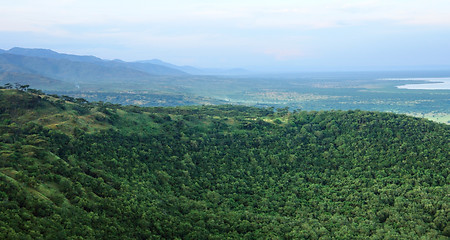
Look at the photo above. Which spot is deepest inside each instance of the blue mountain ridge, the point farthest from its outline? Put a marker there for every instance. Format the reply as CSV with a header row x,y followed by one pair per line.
x,y
153,69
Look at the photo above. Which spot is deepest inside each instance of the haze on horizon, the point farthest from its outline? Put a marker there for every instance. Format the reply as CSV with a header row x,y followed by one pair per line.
x,y
271,35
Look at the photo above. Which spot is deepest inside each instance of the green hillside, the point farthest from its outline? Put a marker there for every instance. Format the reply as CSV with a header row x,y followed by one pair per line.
x,y
70,169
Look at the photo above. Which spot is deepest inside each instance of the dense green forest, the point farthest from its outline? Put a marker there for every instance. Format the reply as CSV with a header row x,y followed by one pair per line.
x,y
72,169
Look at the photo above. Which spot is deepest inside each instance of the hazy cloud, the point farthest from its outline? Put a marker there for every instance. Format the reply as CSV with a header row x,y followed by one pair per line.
x,y
284,30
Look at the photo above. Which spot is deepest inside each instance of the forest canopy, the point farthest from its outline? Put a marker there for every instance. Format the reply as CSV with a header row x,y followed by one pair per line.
x,y
73,169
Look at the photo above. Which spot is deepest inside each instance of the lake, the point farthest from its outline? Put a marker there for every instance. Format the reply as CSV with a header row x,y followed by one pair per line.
x,y
429,83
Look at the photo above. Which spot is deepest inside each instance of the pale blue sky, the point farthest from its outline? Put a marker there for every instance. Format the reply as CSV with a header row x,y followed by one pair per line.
x,y
271,34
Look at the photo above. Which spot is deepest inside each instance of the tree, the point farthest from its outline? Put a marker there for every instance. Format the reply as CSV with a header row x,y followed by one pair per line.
x,y
24,87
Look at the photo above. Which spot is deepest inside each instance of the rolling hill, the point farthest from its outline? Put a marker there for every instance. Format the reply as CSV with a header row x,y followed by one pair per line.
x,y
71,169
47,64
47,53
70,71
153,69
35,80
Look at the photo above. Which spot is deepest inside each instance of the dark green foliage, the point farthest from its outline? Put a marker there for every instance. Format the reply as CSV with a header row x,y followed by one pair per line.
x,y
223,172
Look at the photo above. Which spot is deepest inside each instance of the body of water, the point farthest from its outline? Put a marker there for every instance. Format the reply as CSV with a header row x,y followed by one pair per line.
x,y
429,83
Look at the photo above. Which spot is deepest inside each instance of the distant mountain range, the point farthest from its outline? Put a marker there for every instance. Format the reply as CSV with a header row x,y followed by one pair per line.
x,y
47,53
49,69
198,71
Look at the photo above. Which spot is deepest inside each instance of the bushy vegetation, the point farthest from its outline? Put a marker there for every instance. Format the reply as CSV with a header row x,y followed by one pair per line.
x,y
70,169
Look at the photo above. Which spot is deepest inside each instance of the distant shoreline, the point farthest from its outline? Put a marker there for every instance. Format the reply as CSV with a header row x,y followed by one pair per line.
x,y
434,83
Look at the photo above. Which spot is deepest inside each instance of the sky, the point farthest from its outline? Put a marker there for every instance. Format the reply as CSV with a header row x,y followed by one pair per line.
x,y
271,35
